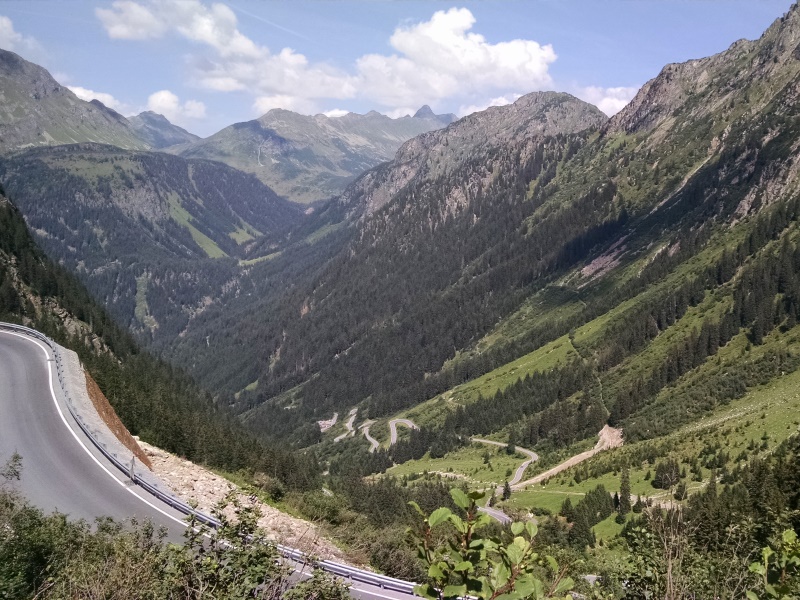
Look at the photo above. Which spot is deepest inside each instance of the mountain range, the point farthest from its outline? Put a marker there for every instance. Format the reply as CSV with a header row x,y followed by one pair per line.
x,y
480,243
311,158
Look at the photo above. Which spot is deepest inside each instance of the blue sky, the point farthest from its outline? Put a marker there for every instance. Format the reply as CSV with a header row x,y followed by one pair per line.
x,y
206,65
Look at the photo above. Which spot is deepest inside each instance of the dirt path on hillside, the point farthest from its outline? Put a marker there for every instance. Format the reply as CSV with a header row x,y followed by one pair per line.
x,y
609,438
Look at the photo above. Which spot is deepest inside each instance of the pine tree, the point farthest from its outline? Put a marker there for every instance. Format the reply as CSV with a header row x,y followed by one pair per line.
x,y
581,534
625,492
506,491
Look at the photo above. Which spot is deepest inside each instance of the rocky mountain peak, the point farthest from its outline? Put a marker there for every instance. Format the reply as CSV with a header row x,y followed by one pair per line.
x,y
158,132
702,86
424,113
439,152
35,110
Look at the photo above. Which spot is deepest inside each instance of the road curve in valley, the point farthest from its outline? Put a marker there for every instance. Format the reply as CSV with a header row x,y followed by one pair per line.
x,y
532,457
393,428
373,443
61,468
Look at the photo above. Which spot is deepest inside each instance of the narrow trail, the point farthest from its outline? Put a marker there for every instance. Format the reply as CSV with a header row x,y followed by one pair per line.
x,y
348,425
393,428
532,457
609,438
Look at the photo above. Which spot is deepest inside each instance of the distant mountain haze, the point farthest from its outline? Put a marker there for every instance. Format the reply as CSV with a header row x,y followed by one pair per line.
x,y
311,158
158,132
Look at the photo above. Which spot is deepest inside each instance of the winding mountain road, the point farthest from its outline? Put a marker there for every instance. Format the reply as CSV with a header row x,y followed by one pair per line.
x,y
373,443
61,468
393,428
532,457
349,429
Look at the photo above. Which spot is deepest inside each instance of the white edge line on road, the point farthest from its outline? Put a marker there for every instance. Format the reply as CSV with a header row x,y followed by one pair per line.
x,y
77,439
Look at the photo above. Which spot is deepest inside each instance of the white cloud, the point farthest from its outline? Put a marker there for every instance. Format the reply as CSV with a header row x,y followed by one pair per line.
x,y
609,100
89,95
435,60
335,113
498,101
441,58
16,42
128,20
164,102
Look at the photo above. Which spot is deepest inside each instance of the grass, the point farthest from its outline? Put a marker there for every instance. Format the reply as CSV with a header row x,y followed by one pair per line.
x,y
548,356
766,416
466,464
322,232
142,310
255,261
183,218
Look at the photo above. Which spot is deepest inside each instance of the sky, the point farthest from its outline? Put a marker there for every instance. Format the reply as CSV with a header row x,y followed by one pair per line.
x,y
205,65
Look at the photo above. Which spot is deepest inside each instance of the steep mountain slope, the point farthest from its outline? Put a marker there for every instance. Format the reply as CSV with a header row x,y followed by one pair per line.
x,y
442,153
156,130
644,239
409,287
154,401
306,158
35,110
133,223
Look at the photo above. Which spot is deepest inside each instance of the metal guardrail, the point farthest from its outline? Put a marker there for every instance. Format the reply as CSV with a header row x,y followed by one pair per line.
x,y
382,581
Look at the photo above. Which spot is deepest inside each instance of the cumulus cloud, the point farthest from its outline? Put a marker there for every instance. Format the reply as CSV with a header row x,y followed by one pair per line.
x,y
442,58
610,100
89,95
10,39
164,102
435,60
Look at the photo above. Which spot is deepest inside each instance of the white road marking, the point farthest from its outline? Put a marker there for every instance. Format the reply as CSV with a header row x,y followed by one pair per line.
x,y
75,435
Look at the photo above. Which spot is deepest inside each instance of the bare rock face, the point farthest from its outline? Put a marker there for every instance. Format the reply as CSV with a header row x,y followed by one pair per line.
x,y
437,153
708,86
35,110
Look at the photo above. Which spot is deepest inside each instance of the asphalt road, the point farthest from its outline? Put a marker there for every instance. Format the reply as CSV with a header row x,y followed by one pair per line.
x,y
393,428
61,469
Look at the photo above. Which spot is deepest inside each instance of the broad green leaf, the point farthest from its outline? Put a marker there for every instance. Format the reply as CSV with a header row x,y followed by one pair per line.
x,y
438,516
416,507
514,553
564,585
435,572
517,527
531,528
752,596
454,591
458,523
465,565
552,563
460,498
